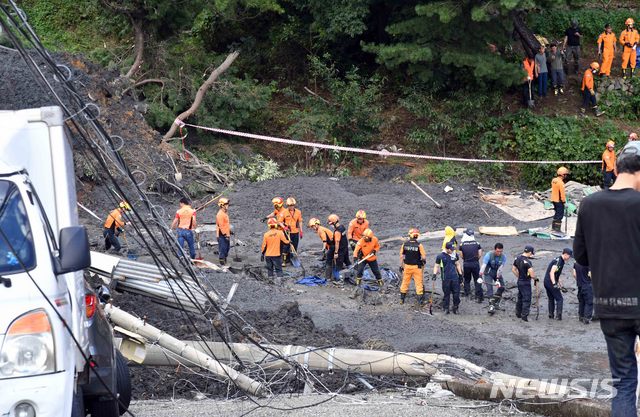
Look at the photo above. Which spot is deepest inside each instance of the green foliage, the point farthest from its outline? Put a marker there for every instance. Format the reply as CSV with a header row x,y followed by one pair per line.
x,y
350,115
257,169
553,22
559,138
623,104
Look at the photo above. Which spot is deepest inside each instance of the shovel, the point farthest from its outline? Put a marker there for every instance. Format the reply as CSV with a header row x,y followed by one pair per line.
x,y
131,254
530,102
293,254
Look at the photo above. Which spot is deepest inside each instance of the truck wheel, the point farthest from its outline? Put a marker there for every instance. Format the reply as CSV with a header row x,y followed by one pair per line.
x,y
107,408
123,382
77,407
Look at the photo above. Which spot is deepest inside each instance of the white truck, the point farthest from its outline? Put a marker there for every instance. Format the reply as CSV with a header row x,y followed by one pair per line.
x,y
49,323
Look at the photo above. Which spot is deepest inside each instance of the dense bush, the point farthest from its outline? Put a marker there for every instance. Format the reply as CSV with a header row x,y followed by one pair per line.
x,y
623,104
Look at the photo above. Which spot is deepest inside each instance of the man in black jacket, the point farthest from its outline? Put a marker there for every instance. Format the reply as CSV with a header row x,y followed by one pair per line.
x,y
609,225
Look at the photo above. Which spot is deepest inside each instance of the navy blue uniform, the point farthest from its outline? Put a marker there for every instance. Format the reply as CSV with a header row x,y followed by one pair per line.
x,y
585,291
471,265
523,305
554,294
450,279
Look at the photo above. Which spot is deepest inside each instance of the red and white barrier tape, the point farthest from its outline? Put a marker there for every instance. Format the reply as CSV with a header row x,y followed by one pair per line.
x,y
371,151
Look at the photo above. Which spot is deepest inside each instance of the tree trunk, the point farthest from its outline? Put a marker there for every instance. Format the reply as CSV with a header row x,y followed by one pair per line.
x,y
138,47
201,92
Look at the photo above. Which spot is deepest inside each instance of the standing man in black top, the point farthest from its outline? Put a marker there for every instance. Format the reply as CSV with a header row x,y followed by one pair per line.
x,y
552,283
585,292
607,240
471,252
572,38
523,269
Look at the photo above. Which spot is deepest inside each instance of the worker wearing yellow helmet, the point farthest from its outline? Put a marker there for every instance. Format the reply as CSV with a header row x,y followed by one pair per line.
x,y
413,257
558,198
365,253
629,38
114,225
295,222
356,227
223,230
609,170
283,217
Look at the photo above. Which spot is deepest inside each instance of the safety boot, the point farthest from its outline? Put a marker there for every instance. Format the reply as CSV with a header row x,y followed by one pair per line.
x,y
403,295
223,261
524,318
455,310
380,283
284,260
559,316
421,299
632,71
624,73
556,225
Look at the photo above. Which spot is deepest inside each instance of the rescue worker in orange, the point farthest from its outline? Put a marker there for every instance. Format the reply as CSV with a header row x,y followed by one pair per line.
x,y
558,198
412,260
272,241
328,247
341,253
607,49
368,248
609,171
114,225
283,218
588,91
185,222
629,38
294,223
223,230
356,227
529,65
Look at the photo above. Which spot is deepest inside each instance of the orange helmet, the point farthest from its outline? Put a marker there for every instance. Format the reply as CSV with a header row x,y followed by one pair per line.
x,y
272,223
223,202
124,205
594,66
563,171
611,144
361,214
291,201
333,219
629,22
277,202
367,233
313,222
414,233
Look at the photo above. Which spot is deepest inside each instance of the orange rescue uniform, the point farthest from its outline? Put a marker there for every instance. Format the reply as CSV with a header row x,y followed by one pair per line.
x,y
606,43
365,248
557,191
186,217
282,216
294,221
529,65
114,220
629,53
609,161
271,242
355,230
587,81
222,224
325,236
413,272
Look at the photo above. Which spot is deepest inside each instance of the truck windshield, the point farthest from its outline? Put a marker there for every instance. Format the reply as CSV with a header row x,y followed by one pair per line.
x,y
15,228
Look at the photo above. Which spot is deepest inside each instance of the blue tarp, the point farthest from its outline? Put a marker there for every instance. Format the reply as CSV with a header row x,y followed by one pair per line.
x,y
312,281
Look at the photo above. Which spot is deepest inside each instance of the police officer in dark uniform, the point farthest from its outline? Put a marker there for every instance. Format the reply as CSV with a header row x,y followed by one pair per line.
x,y
471,252
448,266
552,283
585,292
523,269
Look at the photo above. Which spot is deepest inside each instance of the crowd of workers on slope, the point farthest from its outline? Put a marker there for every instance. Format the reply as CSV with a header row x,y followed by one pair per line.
x,y
540,65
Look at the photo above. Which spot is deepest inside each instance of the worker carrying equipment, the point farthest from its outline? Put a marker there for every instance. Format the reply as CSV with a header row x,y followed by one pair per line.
x,y
223,230
588,91
114,225
629,38
272,242
328,247
609,170
367,245
607,49
356,227
294,222
185,222
558,198
412,260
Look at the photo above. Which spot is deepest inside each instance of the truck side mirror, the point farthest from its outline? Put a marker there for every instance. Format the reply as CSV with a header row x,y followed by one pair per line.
x,y
74,250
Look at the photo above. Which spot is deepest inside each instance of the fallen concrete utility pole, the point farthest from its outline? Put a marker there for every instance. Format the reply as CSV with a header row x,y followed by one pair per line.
x,y
154,335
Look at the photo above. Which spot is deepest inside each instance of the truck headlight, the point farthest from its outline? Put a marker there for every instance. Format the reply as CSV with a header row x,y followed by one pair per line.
x,y
28,346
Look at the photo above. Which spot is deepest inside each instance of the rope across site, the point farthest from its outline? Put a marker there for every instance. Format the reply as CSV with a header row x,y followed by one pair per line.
x,y
383,152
